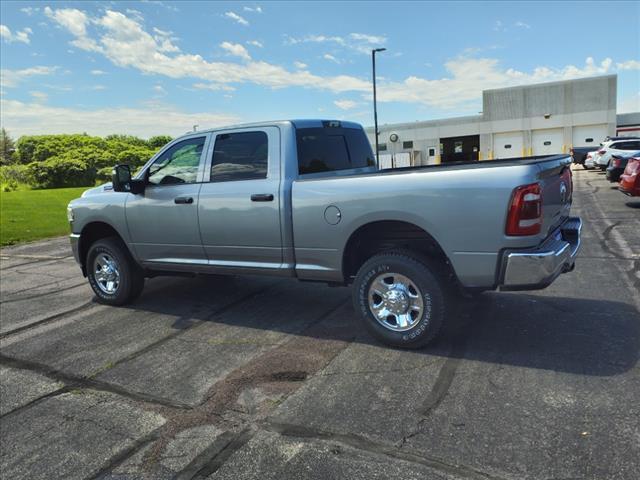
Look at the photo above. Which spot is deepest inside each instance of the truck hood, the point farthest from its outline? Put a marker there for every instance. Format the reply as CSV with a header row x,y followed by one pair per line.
x,y
107,187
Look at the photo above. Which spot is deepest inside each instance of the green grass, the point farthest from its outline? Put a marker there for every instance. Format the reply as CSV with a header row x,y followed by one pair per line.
x,y
27,215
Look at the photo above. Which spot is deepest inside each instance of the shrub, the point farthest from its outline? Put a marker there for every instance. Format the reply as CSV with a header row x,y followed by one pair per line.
x,y
14,173
10,186
158,141
61,172
104,174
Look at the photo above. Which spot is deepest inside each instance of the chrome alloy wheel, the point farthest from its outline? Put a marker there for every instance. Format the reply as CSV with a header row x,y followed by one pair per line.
x,y
106,273
395,301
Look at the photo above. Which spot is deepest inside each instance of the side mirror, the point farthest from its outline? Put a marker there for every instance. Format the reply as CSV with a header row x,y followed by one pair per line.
x,y
121,178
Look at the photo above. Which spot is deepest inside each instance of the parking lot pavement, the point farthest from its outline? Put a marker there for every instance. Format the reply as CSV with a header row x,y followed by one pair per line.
x,y
260,378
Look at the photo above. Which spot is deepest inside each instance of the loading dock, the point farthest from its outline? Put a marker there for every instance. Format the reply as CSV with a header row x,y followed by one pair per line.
x,y
460,149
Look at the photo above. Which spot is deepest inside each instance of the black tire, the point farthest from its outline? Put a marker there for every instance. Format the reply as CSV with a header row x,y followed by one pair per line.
x,y
428,281
131,276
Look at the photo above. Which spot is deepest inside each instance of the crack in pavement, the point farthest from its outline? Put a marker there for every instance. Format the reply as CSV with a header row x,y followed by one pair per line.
x,y
51,318
364,444
72,381
39,295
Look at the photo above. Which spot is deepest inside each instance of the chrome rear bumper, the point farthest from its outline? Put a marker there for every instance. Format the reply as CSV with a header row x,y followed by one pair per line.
x,y
537,268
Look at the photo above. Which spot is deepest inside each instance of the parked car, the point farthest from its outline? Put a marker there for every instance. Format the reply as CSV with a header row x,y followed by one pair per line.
x,y
617,164
579,155
630,179
589,161
613,147
305,199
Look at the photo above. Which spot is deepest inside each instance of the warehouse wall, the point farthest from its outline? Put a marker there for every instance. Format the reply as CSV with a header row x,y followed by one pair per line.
x,y
530,120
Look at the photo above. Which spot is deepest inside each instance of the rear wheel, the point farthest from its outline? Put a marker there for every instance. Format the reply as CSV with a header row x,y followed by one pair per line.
x,y
400,299
112,273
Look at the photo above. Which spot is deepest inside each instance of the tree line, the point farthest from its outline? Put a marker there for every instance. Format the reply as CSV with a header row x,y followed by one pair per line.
x,y
70,160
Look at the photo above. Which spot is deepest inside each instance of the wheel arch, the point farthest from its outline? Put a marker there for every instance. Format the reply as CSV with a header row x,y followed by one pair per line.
x,y
384,235
93,232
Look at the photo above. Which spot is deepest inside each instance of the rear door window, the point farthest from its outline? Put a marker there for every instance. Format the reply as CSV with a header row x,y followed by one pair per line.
x,y
331,149
240,156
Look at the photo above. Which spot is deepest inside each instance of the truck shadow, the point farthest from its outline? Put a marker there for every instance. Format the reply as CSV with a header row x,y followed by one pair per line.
x,y
572,335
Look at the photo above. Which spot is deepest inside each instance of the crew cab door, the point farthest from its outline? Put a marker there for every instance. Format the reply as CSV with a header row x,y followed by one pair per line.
x,y
163,220
239,207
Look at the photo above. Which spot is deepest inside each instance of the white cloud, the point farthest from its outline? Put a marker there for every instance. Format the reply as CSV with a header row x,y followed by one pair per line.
x,y
521,24
10,37
255,43
629,65
159,90
236,50
359,42
234,16
469,76
75,21
372,39
98,72
97,88
257,9
137,14
30,10
300,65
39,97
213,87
126,44
34,118
331,58
345,104
499,26
11,78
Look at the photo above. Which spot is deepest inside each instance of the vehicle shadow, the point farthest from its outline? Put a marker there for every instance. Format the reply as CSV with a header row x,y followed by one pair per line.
x,y
573,335
633,204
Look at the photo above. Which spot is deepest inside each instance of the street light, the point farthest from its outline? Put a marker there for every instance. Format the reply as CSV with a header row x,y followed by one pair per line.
x,y
375,107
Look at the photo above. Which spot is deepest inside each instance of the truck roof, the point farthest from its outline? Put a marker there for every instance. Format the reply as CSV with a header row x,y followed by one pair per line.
x,y
297,123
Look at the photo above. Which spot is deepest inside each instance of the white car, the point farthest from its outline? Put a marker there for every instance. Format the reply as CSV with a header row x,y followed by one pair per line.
x,y
612,147
589,161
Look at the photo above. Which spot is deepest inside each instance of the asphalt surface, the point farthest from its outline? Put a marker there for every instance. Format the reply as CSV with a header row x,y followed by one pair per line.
x,y
261,378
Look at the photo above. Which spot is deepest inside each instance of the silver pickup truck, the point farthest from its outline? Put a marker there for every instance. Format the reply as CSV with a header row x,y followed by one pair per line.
x,y
305,199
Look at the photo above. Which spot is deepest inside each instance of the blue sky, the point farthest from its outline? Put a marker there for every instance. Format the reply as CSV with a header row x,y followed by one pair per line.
x,y
160,67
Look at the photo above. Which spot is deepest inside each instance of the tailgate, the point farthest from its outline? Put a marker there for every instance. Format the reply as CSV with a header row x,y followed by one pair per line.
x,y
557,187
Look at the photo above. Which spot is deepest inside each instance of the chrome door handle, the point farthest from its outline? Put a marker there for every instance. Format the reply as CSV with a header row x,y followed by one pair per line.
x,y
183,200
262,197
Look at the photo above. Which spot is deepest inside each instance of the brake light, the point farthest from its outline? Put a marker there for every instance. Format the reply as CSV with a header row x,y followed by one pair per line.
x,y
633,167
615,162
525,211
601,152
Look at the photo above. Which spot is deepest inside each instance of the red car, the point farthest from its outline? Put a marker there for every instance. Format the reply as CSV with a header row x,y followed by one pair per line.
x,y
630,179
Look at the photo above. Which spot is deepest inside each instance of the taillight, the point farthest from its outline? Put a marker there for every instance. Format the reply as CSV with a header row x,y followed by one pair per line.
x,y
615,162
525,211
633,167
601,152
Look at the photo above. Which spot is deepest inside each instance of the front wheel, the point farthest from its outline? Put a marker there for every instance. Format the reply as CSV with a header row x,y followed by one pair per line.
x,y
400,299
112,273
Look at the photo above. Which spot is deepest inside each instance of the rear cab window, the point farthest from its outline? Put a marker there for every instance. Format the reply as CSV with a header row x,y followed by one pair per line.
x,y
331,149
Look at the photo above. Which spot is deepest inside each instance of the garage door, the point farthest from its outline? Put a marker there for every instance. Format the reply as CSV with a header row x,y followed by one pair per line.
x,y
587,135
507,145
548,141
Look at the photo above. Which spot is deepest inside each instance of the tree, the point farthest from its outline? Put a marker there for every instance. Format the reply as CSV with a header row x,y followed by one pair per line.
x,y
159,141
7,148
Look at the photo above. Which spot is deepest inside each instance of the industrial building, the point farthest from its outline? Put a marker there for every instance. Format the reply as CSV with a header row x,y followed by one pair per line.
x,y
521,121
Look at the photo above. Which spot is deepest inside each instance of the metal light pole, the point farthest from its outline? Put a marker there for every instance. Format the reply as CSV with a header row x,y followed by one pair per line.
x,y
375,106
